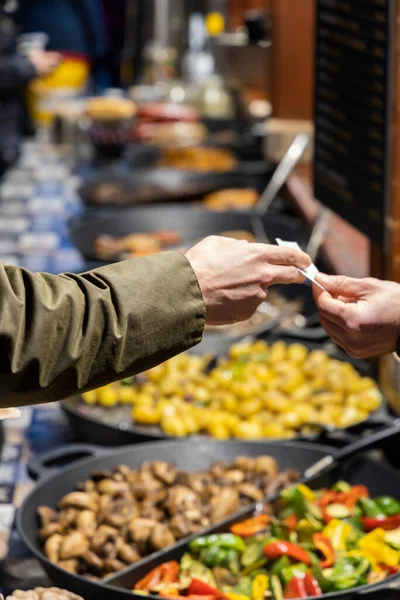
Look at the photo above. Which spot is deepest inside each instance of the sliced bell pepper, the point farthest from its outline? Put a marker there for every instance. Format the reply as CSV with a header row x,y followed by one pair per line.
x,y
166,573
312,586
290,522
251,526
307,492
390,506
324,545
337,532
171,593
259,586
355,493
228,541
375,544
386,523
296,588
370,508
232,596
200,588
389,570
275,550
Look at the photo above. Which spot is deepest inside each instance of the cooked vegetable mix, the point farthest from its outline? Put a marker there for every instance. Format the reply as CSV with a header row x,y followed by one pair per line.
x,y
259,391
301,550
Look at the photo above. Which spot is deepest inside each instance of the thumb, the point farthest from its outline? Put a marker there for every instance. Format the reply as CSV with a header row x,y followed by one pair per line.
x,y
339,285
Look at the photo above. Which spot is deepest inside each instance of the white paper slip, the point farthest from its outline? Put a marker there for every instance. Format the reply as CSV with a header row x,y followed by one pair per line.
x,y
311,271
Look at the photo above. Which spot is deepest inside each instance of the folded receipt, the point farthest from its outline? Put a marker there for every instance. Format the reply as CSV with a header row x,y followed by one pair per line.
x,y
311,271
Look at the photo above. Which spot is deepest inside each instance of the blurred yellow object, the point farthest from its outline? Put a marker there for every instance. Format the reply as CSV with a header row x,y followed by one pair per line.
x,y
257,391
68,80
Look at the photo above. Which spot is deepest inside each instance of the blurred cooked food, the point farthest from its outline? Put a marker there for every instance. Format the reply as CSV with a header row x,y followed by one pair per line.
x,y
43,594
171,134
231,199
108,247
167,112
117,517
199,159
109,109
259,391
239,235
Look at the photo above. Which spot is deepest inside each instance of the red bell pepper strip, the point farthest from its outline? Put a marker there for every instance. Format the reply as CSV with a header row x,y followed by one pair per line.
x,y
324,545
290,522
356,492
166,573
277,549
251,526
201,588
296,588
386,523
328,498
389,570
312,585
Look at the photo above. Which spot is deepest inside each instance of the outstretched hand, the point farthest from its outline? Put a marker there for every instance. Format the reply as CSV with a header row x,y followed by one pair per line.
x,y
360,315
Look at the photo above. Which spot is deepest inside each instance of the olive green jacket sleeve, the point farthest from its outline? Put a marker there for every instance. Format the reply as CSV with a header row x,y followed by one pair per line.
x,y
69,333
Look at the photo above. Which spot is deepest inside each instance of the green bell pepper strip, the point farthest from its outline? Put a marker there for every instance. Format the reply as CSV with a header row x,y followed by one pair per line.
x,y
298,570
227,541
295,500
349,568
390,506
341,486
323,582
279,565
370,508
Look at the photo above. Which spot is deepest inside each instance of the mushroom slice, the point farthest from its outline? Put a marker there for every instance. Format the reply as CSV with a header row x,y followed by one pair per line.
x,y
121,513
224,505
267,465
80,500
112,565
103,535
52,547
49,530
71,565
94,562
233,476
128,554
251,491
46,515
161,537
86,523
73,545
165,472
67,517
111,487
245,463
99,474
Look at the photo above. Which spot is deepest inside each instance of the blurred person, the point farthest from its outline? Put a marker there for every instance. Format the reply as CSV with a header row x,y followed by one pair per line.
x,y
15,73
75,27
361,315
64,334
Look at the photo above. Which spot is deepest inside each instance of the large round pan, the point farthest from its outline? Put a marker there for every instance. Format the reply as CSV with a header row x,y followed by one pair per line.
x,y
186,455
161,184
115,427
191,223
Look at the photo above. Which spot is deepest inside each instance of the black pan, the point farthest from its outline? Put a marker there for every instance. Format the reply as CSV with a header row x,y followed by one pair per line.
x,y
190,222
114,427
191,456
162,184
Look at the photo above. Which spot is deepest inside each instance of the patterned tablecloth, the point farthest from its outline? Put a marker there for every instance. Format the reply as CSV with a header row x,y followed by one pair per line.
x,y
40,429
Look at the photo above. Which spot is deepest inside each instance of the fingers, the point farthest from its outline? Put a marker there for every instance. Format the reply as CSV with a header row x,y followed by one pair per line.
x,y
277,274
333,309
340,286
277,255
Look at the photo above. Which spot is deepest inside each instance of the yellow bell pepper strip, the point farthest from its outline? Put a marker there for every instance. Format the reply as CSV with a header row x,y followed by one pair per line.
x,y
307,492
374,543
259,586
337,532
324,545
251,526
369,557
237,597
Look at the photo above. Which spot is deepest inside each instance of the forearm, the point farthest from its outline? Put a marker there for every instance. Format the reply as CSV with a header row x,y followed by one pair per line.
x,y
60,335
15,72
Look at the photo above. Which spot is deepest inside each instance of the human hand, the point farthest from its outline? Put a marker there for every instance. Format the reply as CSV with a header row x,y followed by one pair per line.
x,y
234,275
361,315
44,62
